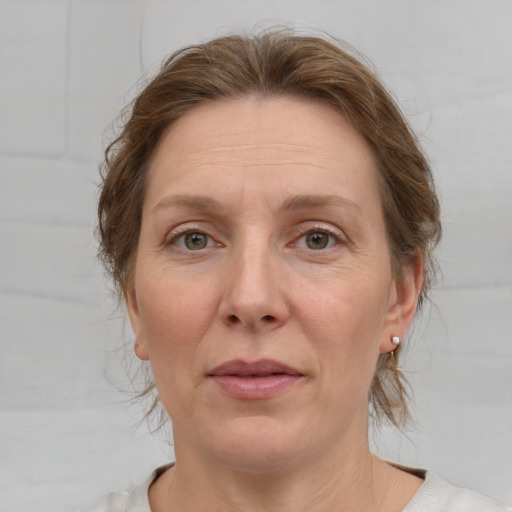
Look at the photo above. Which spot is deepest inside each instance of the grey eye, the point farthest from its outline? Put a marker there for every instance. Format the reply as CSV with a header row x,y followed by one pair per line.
x,y
195,241
317,240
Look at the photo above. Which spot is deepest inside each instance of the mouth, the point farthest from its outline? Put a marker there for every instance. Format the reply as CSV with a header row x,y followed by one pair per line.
x,y
259,380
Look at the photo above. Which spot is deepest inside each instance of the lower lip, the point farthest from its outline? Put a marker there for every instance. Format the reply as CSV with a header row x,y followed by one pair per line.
x,y
255,388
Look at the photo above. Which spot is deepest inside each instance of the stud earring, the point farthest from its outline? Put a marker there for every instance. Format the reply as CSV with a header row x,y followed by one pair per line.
x,y
395,340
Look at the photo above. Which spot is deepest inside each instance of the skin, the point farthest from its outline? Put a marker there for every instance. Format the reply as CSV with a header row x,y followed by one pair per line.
x,y
267,173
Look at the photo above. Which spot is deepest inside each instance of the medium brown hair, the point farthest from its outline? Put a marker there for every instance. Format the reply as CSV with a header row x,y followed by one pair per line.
x,y
277,63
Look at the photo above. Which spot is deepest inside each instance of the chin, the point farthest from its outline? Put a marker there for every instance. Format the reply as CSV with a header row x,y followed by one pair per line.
x,y
258,444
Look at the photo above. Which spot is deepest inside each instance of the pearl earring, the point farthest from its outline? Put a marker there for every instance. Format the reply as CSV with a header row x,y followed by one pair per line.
x,y
395,340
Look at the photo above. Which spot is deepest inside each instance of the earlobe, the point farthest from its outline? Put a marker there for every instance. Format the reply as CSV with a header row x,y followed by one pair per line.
x,y
141,350
140,346
403,304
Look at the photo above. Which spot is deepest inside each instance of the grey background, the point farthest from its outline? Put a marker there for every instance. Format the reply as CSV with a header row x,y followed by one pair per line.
x,y
67,435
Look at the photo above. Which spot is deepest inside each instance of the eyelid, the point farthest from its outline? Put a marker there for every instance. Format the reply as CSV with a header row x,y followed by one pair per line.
x,y
182,230
336,233
300,232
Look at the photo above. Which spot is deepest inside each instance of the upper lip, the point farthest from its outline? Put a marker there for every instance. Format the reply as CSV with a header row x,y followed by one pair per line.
x,y
261,368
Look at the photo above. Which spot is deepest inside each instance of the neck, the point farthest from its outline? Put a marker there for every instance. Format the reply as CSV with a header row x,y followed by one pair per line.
x,y
347,478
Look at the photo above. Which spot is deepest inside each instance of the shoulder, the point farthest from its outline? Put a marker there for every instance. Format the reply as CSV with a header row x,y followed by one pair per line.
x,y
438,495
135,500
113,502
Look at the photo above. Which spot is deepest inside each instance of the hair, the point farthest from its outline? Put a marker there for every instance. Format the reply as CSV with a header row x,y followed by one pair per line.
x,y
269,64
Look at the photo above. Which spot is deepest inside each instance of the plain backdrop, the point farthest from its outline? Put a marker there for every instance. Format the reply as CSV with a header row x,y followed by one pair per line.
x,y
67,433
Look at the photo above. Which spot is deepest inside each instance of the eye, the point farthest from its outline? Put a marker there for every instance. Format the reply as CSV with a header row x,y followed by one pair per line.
x,y
317,240
193,241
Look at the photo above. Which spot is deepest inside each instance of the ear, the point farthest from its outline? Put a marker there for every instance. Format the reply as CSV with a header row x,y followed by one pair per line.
x,y
140,347
402,304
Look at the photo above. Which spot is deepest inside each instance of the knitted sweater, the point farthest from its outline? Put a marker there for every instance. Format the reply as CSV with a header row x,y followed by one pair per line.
x,y
435,495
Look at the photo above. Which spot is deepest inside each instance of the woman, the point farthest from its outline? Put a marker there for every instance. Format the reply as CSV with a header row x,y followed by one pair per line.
x,y
269,219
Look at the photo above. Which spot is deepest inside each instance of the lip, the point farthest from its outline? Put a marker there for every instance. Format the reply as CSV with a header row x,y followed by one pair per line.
x,y
258,380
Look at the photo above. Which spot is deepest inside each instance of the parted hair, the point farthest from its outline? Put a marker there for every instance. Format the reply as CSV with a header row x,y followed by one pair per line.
x,y
269,64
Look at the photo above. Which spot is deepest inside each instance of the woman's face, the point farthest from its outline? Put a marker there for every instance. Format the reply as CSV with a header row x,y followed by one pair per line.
x,y
263,291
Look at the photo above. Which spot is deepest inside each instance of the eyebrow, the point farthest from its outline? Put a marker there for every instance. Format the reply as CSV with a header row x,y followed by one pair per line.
x,y
292,204
200,203
307,202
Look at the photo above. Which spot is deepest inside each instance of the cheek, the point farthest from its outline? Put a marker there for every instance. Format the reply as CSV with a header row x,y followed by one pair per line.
x,y
174,318
351,311
345,323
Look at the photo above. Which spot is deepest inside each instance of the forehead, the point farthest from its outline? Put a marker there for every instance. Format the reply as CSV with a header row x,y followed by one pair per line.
x,y
264,142
255,120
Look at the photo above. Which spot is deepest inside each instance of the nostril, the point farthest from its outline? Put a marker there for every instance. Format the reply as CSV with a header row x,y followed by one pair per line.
x,y
233,319
268,318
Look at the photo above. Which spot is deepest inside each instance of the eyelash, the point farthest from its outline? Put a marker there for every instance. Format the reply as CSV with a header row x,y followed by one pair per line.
x,y
335,238
177,234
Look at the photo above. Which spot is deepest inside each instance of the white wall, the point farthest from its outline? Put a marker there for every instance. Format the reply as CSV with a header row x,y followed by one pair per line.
x,y
67,66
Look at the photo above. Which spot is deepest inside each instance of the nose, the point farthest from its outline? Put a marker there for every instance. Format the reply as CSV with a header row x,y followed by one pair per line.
x,y
253,291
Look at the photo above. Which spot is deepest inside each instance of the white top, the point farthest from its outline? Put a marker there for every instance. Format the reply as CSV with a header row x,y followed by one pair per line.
x,y
435,495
